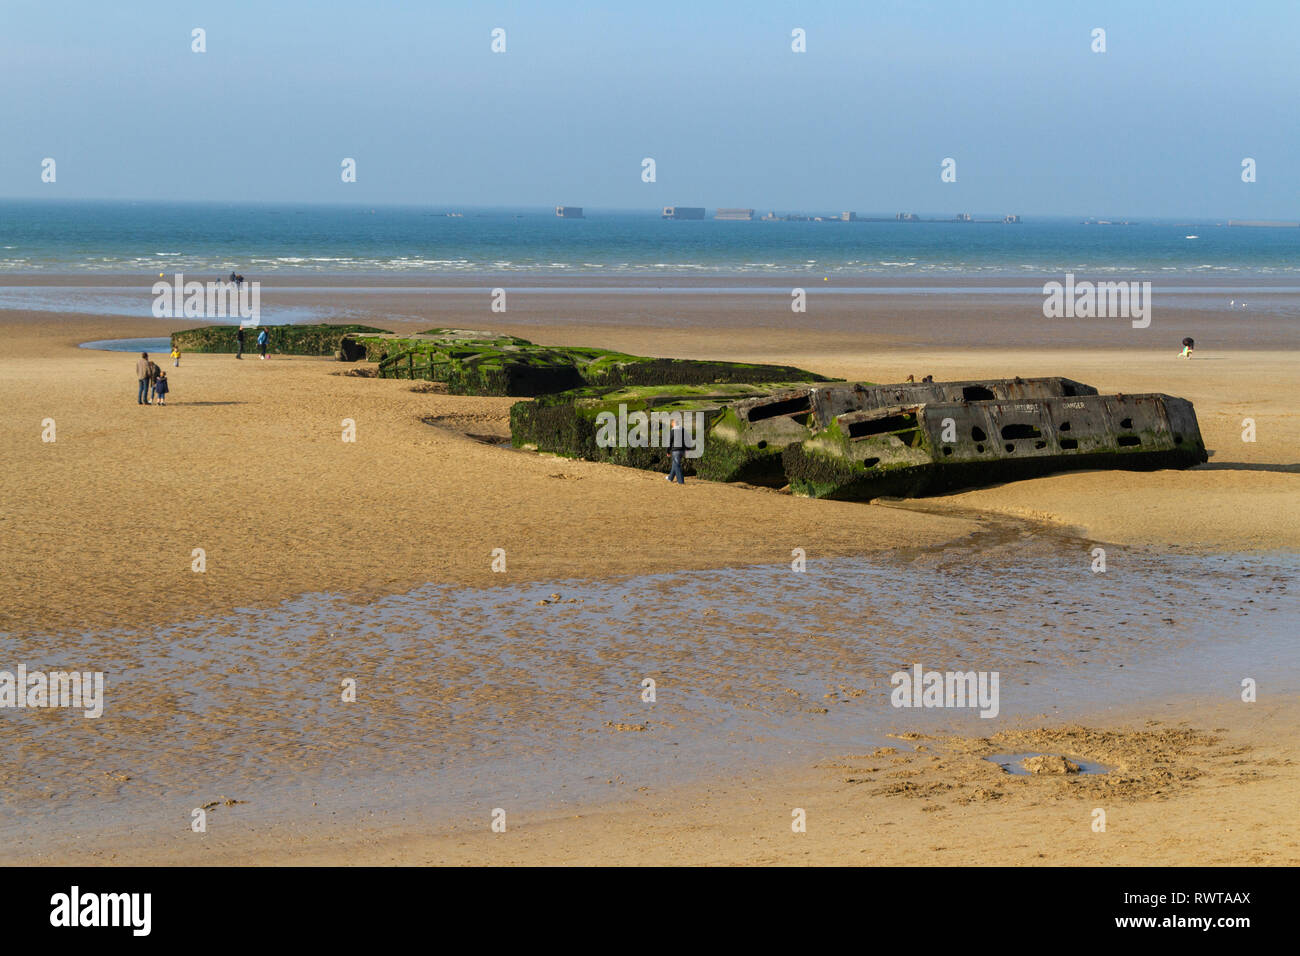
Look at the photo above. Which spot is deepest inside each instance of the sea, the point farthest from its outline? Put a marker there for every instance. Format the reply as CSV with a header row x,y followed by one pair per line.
x,y
62,237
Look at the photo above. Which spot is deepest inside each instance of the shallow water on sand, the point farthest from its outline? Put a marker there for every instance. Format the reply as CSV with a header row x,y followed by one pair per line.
x,y
159,345
533,692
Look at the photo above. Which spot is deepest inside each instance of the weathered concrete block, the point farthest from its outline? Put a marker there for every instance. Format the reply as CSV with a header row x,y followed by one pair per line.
x,y
910,450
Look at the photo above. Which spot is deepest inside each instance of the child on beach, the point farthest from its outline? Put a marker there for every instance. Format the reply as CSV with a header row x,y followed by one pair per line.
x,y
160,389
1187,347
176,356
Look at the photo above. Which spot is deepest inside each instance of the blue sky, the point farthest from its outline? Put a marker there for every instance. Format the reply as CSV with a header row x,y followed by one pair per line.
x,y
1037,123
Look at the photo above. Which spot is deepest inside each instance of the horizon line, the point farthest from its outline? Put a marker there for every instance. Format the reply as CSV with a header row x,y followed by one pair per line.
x,y
1117,218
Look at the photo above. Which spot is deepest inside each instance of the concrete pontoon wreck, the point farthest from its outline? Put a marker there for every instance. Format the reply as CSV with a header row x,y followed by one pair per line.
x,y
908,450
746,440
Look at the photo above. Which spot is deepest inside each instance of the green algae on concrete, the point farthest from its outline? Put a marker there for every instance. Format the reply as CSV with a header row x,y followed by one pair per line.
x,y
480,363
747,439
931,448
566,424
284,339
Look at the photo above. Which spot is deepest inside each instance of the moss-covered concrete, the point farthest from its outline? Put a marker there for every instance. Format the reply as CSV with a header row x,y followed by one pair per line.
x,y
474,363
905,451
566,424
284,339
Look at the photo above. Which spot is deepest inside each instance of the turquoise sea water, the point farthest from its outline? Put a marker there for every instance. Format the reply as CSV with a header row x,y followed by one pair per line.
x,y
60,236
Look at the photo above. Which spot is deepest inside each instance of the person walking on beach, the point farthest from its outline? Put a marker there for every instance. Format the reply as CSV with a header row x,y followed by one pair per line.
x,y
262,340
161,388
176,356
142,373
239,341
154,372
676,450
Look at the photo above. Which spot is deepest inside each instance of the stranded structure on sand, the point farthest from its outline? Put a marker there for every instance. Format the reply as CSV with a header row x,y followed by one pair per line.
x,y
485,363
908,450
772,424
859,441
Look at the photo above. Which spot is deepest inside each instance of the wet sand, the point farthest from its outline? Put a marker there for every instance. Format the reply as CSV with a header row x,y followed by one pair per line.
x,y
246,462
531,696
1217,791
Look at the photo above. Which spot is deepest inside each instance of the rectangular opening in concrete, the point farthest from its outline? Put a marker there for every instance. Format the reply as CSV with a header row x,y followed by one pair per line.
x,y
799,405
1014,432
881,426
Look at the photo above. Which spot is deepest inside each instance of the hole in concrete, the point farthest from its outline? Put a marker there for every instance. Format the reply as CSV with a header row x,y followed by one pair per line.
x,y
1054,764
977,433
1129,440
1069,444
1126,423
947,449
1065,426
979,447
790,406
881,425
762,444
1010,447
870,462
976,393
1021,431
1040,444
1178,439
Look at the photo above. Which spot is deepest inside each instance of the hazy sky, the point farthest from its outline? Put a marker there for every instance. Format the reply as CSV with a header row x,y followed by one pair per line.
x,y
1038,123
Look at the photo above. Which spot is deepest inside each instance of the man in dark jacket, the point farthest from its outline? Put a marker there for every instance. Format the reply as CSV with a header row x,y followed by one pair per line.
x,y
142,373
239,339
676,450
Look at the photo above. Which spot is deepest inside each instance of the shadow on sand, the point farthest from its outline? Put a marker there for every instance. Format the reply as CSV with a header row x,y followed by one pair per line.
x,y
1246,466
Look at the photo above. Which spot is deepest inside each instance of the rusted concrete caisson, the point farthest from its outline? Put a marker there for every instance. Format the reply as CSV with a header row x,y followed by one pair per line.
x,y
911,449
746,440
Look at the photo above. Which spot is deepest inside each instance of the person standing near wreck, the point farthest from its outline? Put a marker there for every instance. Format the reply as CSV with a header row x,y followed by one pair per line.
x,y
676,450
239,342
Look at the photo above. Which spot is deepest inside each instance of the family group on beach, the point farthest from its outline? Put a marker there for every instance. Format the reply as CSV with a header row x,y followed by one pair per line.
x,y
153,380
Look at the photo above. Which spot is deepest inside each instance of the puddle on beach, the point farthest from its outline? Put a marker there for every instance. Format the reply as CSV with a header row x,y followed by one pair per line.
x,y
160,345
1015,764
533,691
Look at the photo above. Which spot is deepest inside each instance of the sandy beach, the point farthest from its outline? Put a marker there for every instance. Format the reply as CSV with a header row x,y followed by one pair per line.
x,y
246,462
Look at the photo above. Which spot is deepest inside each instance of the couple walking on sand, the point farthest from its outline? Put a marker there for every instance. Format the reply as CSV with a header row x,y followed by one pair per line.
x,y
263,340
153,381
